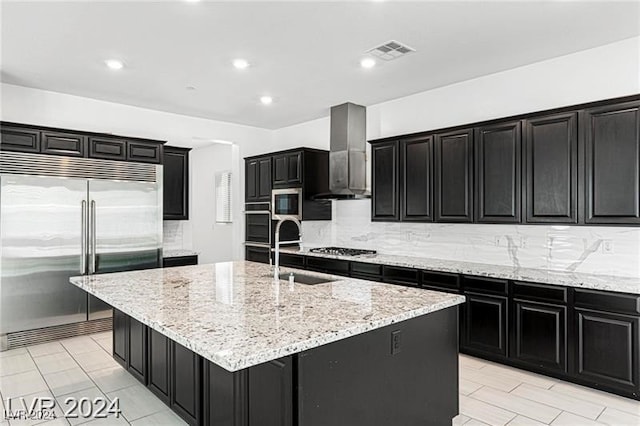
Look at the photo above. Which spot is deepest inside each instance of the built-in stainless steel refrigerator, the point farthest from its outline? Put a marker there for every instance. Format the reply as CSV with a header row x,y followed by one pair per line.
x,y
61,217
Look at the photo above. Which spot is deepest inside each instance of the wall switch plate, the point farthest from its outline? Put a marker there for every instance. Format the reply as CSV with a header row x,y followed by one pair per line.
x,y
396,342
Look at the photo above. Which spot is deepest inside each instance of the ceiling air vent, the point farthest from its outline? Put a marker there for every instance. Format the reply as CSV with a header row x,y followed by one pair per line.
x,y
391,50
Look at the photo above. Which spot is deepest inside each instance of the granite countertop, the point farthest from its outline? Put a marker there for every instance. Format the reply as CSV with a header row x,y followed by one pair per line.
x,y
615,283
236,315
178,253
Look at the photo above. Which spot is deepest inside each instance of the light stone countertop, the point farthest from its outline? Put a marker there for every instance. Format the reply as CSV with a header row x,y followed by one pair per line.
x,y
178,253
614,283
236,315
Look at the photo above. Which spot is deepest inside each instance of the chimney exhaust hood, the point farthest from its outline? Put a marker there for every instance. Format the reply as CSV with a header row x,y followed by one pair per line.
x,y
347,153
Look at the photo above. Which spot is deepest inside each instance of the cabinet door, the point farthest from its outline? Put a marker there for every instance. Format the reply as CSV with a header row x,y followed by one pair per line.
x,y
258,254
294,168
416,158
120,337
250,180
186,383
613,164
384,182
175,184
287,169
540,335
108,149
607,349
264,179
280,169
144,152
19,139
137,362
551,169
453,199
159,358
485,324
271,393
69,144
498,161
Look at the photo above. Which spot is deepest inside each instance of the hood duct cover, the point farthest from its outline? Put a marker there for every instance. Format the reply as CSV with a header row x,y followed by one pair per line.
x,y
347,155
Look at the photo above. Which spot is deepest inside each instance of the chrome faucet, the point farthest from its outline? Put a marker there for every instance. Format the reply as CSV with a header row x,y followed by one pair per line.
x,y
276,266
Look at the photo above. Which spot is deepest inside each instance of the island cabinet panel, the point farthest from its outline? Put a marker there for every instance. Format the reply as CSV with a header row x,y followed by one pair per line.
x,y
270,393
416,169
158,368
137,357
384,182
186,383
453,201
120,337
613,164
498,169
551,169
225,396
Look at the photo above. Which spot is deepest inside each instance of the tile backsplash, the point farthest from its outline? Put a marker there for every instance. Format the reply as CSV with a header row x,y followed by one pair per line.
x,y
589,249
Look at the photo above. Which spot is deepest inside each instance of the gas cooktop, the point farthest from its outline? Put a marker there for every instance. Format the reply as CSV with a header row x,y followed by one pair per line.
x,y
341,251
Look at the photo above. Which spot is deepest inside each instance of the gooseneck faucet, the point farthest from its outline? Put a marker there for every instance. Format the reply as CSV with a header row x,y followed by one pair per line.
x,y
276,266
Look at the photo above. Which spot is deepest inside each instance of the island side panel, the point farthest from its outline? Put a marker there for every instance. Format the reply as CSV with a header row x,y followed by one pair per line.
x,y
359,382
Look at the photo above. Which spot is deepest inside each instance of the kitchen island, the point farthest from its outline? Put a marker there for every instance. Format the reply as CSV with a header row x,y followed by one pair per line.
x,y
226,344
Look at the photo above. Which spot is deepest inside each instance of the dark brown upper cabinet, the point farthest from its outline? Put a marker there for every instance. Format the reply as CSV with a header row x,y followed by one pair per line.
x,y
384,182
107,148
69,144
551,169
453,178
416,169
19,139
498,173
176,183
287,169
144,152
258,179
612,169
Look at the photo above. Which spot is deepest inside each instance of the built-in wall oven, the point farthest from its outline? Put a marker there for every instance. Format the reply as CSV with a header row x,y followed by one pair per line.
x,y
287,203
258,232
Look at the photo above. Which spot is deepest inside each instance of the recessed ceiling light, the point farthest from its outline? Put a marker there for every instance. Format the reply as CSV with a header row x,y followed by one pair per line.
x,y
266,100
240,63
114,64
368,63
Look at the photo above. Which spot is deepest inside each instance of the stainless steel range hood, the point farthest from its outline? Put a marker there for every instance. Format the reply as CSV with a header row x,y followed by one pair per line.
x,y
347,155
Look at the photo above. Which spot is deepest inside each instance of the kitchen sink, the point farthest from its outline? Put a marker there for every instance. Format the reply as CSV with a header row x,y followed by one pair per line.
x,y
306,279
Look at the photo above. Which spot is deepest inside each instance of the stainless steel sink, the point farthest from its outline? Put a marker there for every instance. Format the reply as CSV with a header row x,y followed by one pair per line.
x,y
306,279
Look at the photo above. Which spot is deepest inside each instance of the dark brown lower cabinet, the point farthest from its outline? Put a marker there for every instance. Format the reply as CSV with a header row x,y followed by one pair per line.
x,y
137,360
257,254
540,335
607,349
120,337
271,393
484,320
158,367
186,383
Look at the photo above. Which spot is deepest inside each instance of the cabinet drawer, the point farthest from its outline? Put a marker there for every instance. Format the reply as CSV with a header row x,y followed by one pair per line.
x,y
331,266
485,285
168,262
258,254
292,260
399,275
19,139
144,152
539,292
606,301
68,144
108,149
440,281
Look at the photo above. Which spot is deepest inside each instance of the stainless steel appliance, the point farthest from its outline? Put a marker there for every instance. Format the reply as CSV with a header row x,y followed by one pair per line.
x,y
287,203
60,217
342,251
258,229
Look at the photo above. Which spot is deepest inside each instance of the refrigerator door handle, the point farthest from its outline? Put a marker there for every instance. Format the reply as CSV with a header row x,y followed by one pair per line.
x,y
83,238
93,237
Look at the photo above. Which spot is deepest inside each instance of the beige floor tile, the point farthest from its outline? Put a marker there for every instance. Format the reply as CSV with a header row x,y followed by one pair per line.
x,y
37,417
493,380
166,417
13,352
57,422
524,421
103,335
95,360
22,384
516,404
16,364
109,420
80,345
568,419
484,412
78,415
474,422
113,378
55,362
68,381
598,397
137,402
560,400
459,420
105,344
471,362
521,375
46,349
467,387
613,417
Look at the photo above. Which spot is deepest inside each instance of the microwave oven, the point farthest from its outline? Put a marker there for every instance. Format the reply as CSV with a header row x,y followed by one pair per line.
x,y
286,203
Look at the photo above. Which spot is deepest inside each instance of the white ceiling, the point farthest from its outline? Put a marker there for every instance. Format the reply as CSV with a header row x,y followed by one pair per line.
x,y
304,54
